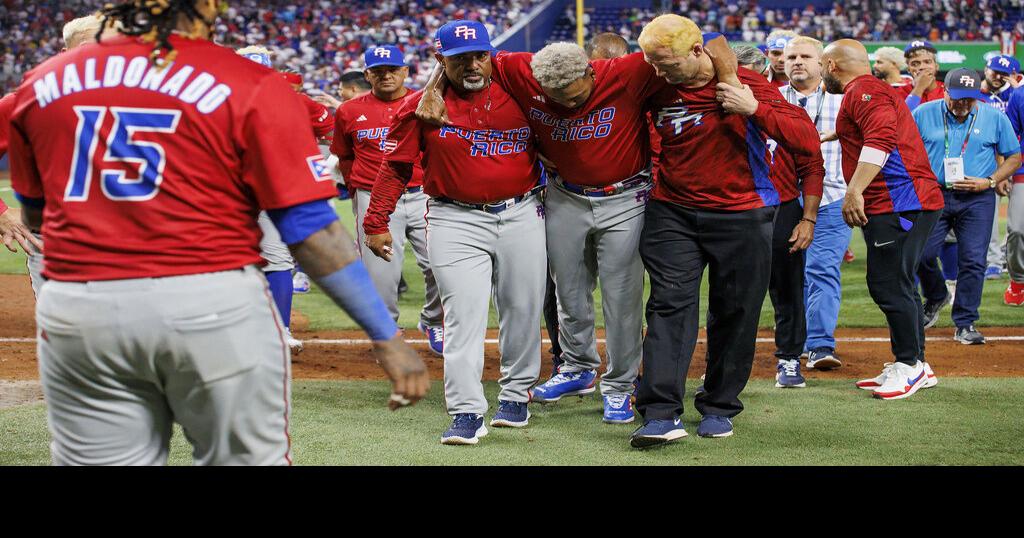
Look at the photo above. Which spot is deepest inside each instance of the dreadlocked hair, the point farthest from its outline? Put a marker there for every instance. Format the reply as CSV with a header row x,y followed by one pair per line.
x,y
154,21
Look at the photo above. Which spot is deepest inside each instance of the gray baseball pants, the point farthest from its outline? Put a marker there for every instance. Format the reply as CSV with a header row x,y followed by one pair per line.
x,y
121,360
479,256
34,261
1015,235
408,222
272,248
591,240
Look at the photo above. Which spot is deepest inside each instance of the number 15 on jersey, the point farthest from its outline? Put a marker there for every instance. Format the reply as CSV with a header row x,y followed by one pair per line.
x,y
120,147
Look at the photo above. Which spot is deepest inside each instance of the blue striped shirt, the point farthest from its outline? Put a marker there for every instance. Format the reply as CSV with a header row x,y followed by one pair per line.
x,y
823,108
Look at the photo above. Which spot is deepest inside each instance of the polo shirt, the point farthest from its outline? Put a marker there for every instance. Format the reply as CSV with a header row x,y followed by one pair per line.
x,y
991,133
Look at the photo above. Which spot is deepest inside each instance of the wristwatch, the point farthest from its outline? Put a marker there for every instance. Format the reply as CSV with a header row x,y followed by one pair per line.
x,y
992,182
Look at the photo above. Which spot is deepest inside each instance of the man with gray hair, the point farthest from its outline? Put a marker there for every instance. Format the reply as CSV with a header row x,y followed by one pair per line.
x,y
889,66
751,58
607,46
591,125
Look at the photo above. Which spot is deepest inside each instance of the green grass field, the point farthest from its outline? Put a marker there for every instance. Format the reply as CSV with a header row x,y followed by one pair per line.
x,y
961,422
858,310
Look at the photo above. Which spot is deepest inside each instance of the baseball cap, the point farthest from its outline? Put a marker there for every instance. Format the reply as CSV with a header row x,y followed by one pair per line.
x,y
915,45
457,37
963,83
1004,64
384,55
778,43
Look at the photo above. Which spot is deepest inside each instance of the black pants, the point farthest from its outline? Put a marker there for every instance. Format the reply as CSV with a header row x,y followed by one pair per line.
x,y
895,242
677,244
786,287
551,321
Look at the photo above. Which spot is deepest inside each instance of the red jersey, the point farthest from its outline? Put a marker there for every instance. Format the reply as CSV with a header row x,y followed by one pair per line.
x,y
603,141
360,128
319,116
873,114
929,95
795,174
6,110
714,160
150,172
485,155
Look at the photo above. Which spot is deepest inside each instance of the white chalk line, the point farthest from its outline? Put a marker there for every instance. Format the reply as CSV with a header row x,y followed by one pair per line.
x,y
365,342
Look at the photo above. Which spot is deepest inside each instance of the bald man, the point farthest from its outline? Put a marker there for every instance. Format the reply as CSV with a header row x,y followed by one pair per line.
x,y
894,196
607,46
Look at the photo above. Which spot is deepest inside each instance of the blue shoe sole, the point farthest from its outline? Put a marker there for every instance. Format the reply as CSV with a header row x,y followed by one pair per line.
x,y
582,392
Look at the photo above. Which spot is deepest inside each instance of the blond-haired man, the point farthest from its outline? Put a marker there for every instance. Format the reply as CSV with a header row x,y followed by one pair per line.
x,y
889,66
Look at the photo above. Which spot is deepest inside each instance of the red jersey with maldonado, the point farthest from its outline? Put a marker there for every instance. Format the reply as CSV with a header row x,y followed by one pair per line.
x,y
601,142
873,114
360,135
487,153
159,172
714,160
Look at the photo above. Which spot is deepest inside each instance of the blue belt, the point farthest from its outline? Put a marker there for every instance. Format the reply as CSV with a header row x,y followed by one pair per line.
x,y
495,207
413,190
641,179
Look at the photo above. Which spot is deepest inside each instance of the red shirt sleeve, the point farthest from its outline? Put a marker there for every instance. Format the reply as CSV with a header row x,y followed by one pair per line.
x,y
319,117
6,108
875,115
25,177
287,170
508,69
787,124
402,146
811,171
641,79
3,207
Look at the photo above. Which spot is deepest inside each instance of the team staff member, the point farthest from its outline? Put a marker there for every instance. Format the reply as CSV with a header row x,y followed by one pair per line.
x,y
891,193
774,47
486,227
1014,295
138,329
360,134
822,289
923,65
792,234
889,66
962,138
714,204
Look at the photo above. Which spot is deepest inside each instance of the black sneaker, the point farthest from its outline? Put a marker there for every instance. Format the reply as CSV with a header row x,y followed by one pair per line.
x,y
969,336
932,310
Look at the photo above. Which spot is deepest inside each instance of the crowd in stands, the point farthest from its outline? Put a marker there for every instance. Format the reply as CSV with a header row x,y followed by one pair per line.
x,y
318,38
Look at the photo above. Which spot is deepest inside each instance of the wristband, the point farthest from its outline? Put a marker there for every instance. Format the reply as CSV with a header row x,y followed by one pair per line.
x,y
805,219
351,288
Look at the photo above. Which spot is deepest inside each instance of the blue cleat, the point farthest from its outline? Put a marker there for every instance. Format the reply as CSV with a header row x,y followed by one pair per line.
x,y
466,429
789,376
993,272
435,337
657,432
564,384
714,426
511,415
618,409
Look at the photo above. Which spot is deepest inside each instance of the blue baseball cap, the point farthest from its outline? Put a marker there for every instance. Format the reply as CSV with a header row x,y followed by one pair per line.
x,y
915,45
1004,64
964,83
384,55
778,43
260,58
458,37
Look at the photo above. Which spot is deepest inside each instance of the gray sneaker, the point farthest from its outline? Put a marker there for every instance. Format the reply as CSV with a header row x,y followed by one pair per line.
x,y
932,310
969,336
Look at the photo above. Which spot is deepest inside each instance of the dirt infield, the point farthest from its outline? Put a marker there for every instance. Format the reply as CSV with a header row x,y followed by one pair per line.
x,y
322,360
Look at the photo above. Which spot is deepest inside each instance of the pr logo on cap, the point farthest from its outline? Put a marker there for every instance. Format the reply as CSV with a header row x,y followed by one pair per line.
x,y
916,44
1004,62
967,81
465,32
381,52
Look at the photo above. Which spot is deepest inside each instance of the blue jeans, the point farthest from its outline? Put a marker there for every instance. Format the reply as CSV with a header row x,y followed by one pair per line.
x,y
969,215
822,285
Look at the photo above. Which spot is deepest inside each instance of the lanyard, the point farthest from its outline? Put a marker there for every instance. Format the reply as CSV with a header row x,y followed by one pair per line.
x,y
796,96
945,131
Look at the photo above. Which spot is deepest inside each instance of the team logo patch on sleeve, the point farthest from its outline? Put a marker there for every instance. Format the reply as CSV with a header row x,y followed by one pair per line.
x,y
319,167
388,145
865,97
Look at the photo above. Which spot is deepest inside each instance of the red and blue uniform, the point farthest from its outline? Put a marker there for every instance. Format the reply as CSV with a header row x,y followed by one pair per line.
x,y
361,128
187,152
873,115
714,160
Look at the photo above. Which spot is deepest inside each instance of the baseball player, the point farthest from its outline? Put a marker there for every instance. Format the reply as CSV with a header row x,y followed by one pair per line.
x,y
714,205
923,65
591,125
486,227
279,262
1001,81
894,196
360,137
136,327
775,46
